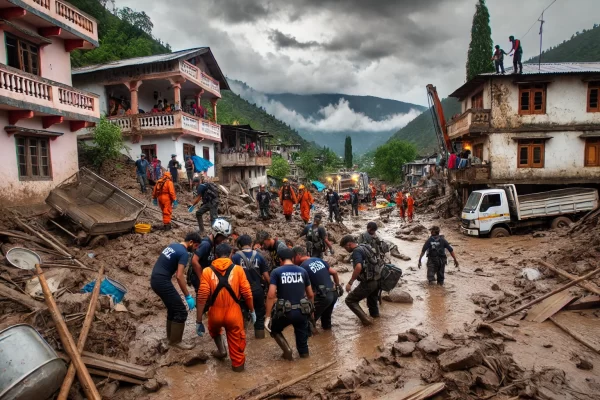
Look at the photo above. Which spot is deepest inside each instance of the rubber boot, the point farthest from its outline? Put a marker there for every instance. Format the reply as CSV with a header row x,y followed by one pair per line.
x,y
169,329
177,335
355,308
221,352
259,334
200,223
281,342
238,369
167,227
305,355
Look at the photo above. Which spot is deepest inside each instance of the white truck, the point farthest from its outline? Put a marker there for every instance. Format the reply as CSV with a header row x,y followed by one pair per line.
x,y
500,211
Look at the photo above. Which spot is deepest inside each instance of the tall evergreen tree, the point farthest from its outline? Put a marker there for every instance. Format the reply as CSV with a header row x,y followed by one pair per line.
x,y
482,46
348,152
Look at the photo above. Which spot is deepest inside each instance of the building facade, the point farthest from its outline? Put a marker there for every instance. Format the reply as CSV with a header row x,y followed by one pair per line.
x,y
421,167
40,110
164,104
287,152
539,127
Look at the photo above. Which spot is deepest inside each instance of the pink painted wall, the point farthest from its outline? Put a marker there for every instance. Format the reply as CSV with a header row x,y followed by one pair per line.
x,y
56,62
63,156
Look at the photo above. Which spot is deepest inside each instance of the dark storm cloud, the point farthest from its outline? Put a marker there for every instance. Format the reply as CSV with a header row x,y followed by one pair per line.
x,y
283,41
238,11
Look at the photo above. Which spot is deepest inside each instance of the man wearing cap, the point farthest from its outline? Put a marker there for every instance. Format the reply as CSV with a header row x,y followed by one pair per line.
x,y
288,198
289,302
263,199
333,202
436,247
410,207
316,238
354,201
141,171
306,201
271,245
371,239
189,170
174,167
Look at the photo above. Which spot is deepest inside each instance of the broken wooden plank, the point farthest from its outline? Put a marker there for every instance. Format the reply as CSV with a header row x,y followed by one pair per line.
x,y
109,364
585,303
420,392
575,335
21,298
547,308
587,286
115,376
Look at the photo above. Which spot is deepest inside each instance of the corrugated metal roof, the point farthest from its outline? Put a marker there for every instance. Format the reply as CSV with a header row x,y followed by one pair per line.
x,y
556,68
141,60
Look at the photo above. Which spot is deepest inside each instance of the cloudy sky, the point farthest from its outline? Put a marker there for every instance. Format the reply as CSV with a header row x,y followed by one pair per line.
x,y
385,48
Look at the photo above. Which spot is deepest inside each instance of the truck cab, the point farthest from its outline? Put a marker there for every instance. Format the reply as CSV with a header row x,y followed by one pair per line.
x,y
485,210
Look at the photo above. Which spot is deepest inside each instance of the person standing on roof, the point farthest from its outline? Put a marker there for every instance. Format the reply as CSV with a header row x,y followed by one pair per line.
x,y
436,247
174,167
306,201
223,286
141,171
499,59
288,198
209,194
263,199
517,53
163,195
410,207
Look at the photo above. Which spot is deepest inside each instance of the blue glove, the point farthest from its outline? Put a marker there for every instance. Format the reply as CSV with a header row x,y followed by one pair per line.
x,y
191,209
312,206
190,302
200,329
253,315
175,204
155,202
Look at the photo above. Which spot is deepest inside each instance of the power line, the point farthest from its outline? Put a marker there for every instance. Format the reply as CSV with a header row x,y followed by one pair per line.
x,y
537,20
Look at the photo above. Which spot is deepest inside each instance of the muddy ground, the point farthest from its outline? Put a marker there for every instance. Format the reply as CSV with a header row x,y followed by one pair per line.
x,y
513,358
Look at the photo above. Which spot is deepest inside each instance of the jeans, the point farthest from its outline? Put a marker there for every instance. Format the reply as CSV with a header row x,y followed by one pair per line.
x,y
334,211
163,287
174,174
264,212
324,308
366,290
301,328
517,61
499,66
212,207
436,266
143,181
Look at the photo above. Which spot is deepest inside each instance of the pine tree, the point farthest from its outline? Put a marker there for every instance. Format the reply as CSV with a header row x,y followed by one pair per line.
x,y
348,152
482,46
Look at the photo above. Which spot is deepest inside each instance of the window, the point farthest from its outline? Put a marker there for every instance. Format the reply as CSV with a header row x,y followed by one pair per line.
x,y
489,201
189,150
22,55
592,152
592,100
532,99
477,100
149,150
478,151
206,153
531,153
33,157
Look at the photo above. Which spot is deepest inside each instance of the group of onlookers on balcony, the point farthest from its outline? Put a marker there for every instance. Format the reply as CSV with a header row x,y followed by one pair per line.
x,y
463,159
253,149
122,107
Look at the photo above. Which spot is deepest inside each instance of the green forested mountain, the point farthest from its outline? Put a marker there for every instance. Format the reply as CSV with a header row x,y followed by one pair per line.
x,y
420,131
583,46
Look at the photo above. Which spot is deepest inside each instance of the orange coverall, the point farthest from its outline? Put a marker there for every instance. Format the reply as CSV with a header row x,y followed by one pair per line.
x,y
164,192
226,312
288,205
374,195
410,205
306,200
399,204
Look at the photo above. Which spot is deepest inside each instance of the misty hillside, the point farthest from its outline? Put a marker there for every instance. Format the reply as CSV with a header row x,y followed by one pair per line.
x,y
583,46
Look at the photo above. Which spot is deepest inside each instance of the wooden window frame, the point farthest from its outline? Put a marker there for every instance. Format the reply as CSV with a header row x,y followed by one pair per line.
x,y
593,86
29,176
148,149
530,144
478,150
206,149
186,150
532,89
592,143
24,44
477,97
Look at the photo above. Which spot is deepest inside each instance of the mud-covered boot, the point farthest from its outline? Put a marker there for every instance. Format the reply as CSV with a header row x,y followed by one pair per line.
x,y
355,308
220,353
169,329
259,334
176,336
200,223
238,368
281,342
167,227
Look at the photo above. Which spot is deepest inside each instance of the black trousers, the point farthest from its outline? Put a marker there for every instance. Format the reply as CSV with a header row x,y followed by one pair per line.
x,y
212,207
324,308
258,298
436,268
355,209
174,174
499,66
517,62
264,212
163,287
366,290
334,211
301,328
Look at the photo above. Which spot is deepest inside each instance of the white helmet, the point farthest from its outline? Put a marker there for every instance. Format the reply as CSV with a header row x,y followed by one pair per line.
x,y
221,227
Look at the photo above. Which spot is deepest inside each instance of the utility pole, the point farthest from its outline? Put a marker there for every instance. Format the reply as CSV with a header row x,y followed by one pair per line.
x,y
541,20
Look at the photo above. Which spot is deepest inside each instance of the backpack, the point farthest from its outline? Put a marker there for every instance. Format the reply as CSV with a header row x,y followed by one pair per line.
x,y
437,249
251,264
212,192
315,238
372,270
390,275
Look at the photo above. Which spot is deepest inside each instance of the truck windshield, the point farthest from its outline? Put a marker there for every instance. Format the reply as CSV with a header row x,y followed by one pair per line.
x,y
472,202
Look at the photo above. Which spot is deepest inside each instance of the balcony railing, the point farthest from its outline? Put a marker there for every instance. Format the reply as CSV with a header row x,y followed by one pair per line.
x,y
177,121
472,174
472,120
22,86
206,81
243,160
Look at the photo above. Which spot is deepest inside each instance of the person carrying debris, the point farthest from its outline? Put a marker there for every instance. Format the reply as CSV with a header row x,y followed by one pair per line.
x,y
400,204
257,273
367,270
316,238
517,53
141,171
288,198
289,302
333,202
371,239
272,245
320,275
174,167
436,247
306,202
163,195
189,170
223,285
373,195
354,201
209,193
499,59
410,207
263,199
172,261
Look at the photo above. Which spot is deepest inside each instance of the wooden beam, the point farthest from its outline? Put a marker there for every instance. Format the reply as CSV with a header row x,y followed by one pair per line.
x,y
77,125
11,13
575,335
74,44
109,364
587,286
50,31
47,122
16,116
11,294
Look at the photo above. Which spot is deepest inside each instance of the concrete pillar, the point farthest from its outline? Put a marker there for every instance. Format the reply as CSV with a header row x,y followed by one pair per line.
x,y
133,87
177,95
214,106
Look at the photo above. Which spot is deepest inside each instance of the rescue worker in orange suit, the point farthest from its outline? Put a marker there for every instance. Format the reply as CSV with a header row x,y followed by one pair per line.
x,y
410,207
223,284
164,196
373,195
288,198
306,201
400,204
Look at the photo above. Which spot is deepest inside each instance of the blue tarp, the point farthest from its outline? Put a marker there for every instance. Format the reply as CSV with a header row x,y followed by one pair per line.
x,y
108,287
200,164
320,187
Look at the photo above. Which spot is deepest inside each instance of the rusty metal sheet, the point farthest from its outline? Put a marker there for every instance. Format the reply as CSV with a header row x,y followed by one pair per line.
x,y
547,308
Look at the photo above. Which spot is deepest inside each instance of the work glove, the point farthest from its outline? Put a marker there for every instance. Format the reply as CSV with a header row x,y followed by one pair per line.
x,y
312,206
191,208
268,324
190,302
253,316
200,329
175,204
155,202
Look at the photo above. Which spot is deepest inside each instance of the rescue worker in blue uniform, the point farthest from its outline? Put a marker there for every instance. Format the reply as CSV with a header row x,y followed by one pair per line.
x,y
289,302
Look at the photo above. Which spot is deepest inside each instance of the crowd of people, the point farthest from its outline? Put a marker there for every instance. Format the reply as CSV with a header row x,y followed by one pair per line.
x,y
121,107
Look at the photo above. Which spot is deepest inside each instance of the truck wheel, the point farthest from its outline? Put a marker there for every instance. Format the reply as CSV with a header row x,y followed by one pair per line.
x,y
499,233
98,241
560,222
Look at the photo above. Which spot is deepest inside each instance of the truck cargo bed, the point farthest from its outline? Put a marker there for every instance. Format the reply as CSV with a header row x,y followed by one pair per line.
x,y
557,202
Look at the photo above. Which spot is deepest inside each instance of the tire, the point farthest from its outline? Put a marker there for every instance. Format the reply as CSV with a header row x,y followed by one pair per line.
x,y
560,223
98,241
499,233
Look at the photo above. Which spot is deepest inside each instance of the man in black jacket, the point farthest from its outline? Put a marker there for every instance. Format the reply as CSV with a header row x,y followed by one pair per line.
x,y
263,199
